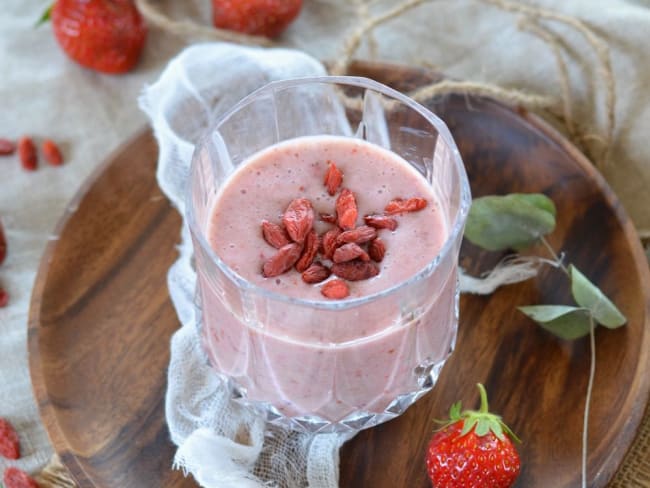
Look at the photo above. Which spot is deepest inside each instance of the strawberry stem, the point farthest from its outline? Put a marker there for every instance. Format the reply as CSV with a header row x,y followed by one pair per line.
x,y
484,401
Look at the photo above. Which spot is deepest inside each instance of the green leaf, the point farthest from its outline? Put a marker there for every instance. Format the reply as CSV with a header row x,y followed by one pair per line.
x,y
44,17
510,221
589,296
468,425
564,321
454,411
482,427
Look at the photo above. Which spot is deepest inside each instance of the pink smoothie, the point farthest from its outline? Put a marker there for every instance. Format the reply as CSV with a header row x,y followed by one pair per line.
x,y
315,360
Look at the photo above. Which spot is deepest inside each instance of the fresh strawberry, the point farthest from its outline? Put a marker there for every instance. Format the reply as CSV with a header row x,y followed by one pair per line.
x,y
473,450
258,17
104,35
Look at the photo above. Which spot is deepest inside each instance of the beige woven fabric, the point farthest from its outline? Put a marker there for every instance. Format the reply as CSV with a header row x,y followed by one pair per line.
x,y
45,94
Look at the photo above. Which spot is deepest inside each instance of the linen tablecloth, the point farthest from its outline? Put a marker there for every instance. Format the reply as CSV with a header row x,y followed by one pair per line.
x,y
44,94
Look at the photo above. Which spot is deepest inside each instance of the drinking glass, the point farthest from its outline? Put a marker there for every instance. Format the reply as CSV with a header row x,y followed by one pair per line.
x,y
329,366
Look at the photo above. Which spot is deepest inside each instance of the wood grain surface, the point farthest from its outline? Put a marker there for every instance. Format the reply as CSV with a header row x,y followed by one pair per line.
x,y
101,319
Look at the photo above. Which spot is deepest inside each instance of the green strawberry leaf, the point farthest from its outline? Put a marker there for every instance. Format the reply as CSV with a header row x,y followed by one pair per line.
x,y
45,16
468,425
589,296
564,321
497,430
482,427
454,411
513,221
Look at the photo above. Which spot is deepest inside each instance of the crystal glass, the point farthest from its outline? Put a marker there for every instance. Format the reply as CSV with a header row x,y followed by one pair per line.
x,y
318,365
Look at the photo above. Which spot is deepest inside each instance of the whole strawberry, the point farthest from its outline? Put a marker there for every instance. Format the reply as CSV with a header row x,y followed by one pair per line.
x,y
104,35
258,17
473,450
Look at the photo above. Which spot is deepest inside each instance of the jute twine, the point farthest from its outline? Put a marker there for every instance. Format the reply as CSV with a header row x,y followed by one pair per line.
x,y
596,144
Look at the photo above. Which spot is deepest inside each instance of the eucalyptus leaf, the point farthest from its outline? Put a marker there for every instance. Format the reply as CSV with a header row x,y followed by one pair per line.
x,y
588,295
564,321
513,221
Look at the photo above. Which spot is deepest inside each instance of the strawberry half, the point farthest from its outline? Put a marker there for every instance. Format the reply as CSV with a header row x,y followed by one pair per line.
x,y
473,449
104,35
257,17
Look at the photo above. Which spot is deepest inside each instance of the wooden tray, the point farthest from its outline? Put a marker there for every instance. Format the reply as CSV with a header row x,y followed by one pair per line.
x,y
101,319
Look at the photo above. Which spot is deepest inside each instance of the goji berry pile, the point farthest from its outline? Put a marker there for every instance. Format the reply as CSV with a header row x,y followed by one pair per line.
x,y
10,449
27,153
347,250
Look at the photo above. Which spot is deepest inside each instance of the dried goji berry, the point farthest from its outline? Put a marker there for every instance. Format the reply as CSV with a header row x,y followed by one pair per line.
x,y
377,249
274,234
316,273
7,147
361,234
4,298
17,478
333,178
329,242
52,152
9,443
399,205
27,153
380,222
3,244
329,218
346,210
312,243
355,270
282,261
298,219
335,289
348,252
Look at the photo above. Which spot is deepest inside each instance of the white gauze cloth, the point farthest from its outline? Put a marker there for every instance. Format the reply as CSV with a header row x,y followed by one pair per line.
x,y
220,442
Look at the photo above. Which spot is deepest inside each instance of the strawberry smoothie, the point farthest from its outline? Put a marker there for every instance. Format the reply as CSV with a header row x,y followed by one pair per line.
x,y
338,360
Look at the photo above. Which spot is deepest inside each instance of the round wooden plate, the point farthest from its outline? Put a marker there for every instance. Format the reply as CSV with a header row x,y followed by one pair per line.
x,y
101,320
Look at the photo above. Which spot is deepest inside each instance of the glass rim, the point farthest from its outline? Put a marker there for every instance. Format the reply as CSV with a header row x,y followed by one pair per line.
x,y
455,229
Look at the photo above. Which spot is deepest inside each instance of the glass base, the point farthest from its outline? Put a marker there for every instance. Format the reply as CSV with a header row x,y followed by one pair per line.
x,y
427,376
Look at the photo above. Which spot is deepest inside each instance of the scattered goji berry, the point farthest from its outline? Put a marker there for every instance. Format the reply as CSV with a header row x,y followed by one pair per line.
x,y
298,219
355,270
7,147
333,178
3,244
335,289
316,273
274,234
329,218
399,205
312,243
377,249
9,443
329,242
380,222
348,252
282,261
17,478
52,152
4,298
346,209
27,153
361,234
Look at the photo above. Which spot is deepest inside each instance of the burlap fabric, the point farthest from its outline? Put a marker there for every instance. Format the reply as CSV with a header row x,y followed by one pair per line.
x,y
44,94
